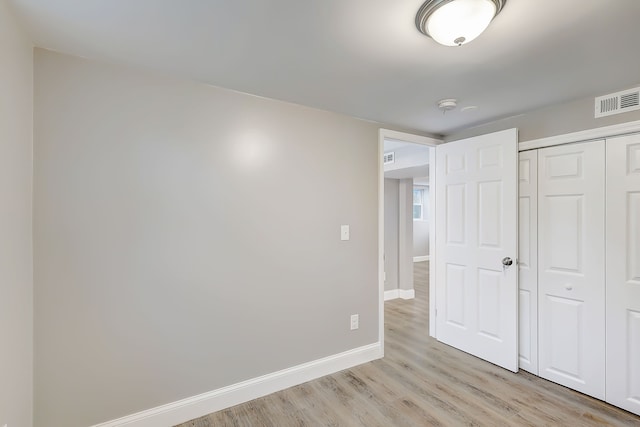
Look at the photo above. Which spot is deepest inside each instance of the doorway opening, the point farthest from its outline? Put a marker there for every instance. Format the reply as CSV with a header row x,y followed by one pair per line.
x,y
406,221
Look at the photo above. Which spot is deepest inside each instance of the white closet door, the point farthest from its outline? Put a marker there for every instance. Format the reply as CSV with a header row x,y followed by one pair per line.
x,y
528,262
623,272
571,273
476,213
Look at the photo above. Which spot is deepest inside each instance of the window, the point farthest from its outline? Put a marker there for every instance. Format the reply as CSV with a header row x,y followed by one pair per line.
x,y
418,196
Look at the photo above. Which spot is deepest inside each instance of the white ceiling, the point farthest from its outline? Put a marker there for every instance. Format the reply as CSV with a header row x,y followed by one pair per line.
x,y
411,172
364,58
394,144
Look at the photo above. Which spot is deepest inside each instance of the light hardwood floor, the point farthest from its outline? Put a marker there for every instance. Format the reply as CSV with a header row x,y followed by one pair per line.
x,y
421,382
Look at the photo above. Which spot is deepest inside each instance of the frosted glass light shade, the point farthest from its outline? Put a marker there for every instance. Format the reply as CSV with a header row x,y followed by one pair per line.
x,y
459,21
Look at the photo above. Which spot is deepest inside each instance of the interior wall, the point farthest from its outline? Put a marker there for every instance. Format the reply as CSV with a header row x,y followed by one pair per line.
x,y
391,224
408,156
421,227
405,234
187,238
398,234
16,283
556,120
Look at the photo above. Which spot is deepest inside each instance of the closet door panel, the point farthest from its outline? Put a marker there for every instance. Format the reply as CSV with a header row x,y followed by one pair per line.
x,y
571,271
623,272
528,262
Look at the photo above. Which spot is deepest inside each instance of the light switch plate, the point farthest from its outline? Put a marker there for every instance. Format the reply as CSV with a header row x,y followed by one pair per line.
x,y
344,232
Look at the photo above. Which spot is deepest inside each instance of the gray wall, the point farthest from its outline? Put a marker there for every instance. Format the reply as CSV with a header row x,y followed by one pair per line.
x,y
16,283
421,227
405,234
409,155
398,234
551,121
391,224
187,238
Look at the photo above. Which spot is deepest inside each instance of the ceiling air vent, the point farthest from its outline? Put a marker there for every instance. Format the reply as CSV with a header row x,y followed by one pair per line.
x,y
616,103
389,158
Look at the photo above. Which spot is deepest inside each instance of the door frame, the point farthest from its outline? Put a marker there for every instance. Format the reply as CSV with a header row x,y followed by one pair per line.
x,y
611,131
432,143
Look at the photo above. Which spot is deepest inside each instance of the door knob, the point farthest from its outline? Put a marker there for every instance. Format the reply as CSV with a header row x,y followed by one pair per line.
x,y
506,261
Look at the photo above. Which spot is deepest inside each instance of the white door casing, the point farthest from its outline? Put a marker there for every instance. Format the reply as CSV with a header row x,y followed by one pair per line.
x,y
528,261
623,272
476,213
571,287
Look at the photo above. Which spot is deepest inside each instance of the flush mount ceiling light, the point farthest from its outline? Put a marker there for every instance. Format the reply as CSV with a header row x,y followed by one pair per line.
x,y
456,22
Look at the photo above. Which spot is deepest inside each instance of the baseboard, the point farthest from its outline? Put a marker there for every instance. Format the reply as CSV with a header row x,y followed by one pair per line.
x,y
421,258
407,293
392,294
399,293
225,397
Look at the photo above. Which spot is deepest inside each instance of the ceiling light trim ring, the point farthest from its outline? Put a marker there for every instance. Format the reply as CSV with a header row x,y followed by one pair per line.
x,y
430,6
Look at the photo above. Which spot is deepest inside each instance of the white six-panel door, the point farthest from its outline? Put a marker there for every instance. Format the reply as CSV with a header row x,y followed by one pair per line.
x,y
528,261
571,260
476,213
623,272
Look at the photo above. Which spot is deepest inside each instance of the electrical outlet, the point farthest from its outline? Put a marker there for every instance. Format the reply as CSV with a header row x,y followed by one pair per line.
x,y
354,321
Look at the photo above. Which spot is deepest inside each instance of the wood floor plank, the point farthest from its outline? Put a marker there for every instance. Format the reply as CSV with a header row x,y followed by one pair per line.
x,y
421,382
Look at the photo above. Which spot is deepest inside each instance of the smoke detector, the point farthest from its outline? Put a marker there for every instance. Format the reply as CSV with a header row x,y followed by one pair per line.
x,y
447,104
